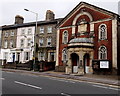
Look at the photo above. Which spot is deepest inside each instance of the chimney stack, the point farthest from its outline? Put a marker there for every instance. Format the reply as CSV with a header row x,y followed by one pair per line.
x,y
50,15
19,19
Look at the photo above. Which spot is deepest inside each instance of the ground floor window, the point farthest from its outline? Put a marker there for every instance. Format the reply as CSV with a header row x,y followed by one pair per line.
x,y
27,56
64,55
52,56
41,55
102,52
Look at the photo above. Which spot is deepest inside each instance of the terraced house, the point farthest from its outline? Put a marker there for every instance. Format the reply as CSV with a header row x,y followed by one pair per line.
x,y
18,41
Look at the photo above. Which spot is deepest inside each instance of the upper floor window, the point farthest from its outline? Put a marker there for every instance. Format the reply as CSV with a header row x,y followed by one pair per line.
x,y
23,32
41,42
22,43
102,32
29,31
64,55
29,42
41,29
5,44
65,37
102,52
49,29
6,34
11,43
12,34
49,41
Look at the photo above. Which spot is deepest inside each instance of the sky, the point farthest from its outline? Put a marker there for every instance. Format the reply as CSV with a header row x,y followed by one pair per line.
x,y
10,8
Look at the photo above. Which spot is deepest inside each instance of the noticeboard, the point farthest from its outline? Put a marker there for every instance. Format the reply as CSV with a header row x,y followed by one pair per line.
x,y
104,64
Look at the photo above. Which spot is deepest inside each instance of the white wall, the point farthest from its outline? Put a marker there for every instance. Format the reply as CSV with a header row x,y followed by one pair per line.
x,y
25,37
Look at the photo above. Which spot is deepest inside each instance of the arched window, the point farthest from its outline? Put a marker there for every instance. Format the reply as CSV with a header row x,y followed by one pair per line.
x,y
64,55
65,37
102,32
102,52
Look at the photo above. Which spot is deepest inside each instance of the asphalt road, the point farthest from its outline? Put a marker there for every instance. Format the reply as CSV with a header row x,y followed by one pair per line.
x,y
21,83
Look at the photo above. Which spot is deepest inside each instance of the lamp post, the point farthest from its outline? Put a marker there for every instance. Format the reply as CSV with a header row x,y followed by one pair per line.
x,y
34,54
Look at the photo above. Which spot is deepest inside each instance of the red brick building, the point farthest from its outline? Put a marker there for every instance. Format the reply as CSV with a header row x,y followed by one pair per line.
x,y
87,41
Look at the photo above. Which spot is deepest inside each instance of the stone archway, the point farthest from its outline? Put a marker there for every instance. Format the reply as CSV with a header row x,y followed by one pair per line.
x,y
75,62
86,62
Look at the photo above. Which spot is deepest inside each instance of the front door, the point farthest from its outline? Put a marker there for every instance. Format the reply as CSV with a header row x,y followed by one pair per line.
x,y
86,63
75,60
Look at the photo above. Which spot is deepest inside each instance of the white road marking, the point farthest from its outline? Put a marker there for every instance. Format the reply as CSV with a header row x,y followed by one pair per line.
x,y
114,88
62,80
29,85
65,94
10,72
2,78
100,86
106,87
28,75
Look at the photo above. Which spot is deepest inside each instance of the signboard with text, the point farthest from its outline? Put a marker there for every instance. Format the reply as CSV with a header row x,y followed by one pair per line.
x,y
104,64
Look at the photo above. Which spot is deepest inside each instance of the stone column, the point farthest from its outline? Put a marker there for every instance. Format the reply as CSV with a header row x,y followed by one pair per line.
x,y
68,69
91,58
81,67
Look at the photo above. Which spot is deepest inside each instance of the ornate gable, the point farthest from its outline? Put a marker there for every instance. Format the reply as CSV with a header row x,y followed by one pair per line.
x,y
85,10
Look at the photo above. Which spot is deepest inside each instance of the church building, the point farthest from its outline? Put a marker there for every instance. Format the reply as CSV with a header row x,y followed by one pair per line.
x,y
87,41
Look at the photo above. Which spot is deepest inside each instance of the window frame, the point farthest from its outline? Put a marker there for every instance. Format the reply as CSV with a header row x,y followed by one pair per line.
x,y
6,44
6,34
49,39
12,33
41,39
41,30
102,56
65,37
49,29
103,35
64,55
29,31
22,45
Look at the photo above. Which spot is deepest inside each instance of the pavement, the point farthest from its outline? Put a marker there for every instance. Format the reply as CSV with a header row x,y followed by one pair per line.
x,y
109,80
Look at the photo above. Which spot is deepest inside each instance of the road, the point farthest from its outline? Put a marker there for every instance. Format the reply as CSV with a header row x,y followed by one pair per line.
x,y
22,83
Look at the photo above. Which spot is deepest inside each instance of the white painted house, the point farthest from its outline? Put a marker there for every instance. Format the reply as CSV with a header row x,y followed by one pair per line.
x,y
25,44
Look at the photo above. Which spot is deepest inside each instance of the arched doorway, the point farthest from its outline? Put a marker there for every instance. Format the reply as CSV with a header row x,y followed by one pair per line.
x,y
86,61
75,61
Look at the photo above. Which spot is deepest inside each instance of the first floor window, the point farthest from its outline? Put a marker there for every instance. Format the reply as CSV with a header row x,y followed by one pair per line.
x,y
102,52
49,41
29,42
41,42
102,32
11,43
65,37
22,43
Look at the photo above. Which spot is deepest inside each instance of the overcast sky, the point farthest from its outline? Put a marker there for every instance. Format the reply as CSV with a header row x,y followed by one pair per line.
x,y
10,8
